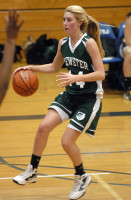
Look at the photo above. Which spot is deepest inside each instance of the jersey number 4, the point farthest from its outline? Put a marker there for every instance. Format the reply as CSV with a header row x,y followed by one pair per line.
x,y
80,83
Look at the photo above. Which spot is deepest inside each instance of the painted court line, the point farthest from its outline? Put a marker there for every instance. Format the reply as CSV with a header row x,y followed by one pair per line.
x,y
107,187
58,175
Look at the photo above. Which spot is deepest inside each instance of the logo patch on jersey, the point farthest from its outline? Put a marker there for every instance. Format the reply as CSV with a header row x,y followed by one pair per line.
x,y
80,116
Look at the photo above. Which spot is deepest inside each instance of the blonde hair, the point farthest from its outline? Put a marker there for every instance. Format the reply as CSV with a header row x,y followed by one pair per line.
x,y
89,24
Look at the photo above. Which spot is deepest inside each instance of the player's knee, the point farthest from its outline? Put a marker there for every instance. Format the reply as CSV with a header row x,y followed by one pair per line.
x,y
43,129
65,144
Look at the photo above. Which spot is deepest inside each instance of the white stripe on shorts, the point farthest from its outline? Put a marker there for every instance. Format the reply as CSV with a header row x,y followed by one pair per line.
x,y
73,127
77,123
63,107
95,109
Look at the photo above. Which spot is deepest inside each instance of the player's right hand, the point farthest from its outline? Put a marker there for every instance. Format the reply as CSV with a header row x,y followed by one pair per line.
x,y
20,68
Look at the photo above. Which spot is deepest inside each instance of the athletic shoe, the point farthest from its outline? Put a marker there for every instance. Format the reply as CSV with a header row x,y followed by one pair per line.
x,y
127,96
80,185
30,175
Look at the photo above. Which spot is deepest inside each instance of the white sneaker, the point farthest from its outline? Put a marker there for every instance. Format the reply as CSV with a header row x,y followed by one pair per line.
x,y
30,175
80,185
127,96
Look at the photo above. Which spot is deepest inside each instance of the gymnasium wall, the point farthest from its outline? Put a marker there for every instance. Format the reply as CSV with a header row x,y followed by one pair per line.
x,y
45,16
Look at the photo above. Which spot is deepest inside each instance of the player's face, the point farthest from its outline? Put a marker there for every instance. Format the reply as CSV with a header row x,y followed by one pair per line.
x,y
70,23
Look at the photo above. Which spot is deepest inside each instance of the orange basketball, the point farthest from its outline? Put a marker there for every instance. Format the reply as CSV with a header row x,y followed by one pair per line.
x,y
25,82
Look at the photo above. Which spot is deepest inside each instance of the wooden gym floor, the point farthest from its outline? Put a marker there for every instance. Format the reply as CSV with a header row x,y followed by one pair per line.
x,y
107,157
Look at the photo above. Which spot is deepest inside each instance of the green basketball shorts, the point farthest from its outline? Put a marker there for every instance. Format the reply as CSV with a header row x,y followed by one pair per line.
x,y
83,111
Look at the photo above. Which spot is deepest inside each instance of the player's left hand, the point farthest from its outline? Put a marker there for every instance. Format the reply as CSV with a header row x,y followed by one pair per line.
x,y
66,79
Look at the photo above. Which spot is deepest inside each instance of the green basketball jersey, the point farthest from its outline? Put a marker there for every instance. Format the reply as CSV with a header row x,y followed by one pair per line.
x,y
78,61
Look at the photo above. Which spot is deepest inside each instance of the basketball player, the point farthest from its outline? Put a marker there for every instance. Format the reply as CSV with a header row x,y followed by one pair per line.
x,y
12,29
81,101
125,52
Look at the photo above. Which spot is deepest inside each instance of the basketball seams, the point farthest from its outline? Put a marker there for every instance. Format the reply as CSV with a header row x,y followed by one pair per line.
x,y
29,79
25,82
31,86
15,85
25,91
35,83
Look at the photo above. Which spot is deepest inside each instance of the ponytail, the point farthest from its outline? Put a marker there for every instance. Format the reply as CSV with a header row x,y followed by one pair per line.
x,y
94,31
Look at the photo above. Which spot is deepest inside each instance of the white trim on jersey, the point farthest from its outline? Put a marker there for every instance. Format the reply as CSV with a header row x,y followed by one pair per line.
x,y
64,40
99,90
84,42
76,45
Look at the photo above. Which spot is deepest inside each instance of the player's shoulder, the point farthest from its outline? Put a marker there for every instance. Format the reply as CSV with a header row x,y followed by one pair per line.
x,y
86,38
64,40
